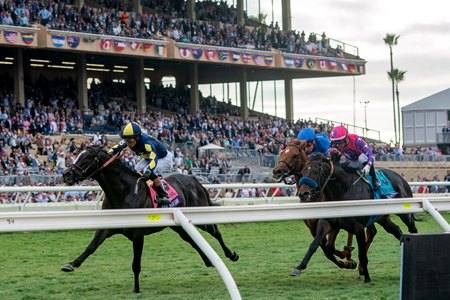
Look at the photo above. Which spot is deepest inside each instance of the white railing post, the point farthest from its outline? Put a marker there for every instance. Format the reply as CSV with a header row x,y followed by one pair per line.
x,y
181,219
429,208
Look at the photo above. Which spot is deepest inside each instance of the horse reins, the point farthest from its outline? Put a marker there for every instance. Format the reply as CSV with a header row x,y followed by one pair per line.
x,y
292,168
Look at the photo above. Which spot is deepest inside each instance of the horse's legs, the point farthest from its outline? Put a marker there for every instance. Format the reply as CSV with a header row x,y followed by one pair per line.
x,y
390,227
183,234
100,236
362,253
213,230
138,244
408,220
323,228
371,232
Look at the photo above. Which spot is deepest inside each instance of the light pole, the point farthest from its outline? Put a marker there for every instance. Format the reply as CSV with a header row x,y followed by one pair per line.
x,y
365,104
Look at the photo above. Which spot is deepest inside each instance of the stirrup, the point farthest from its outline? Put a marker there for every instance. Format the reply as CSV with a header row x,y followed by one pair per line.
x,y
376,184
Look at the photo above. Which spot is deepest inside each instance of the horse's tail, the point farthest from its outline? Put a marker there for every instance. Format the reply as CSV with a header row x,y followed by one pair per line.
x,y
208,198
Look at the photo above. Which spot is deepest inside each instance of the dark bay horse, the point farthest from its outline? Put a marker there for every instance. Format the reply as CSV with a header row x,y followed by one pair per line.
x,y
119,183
326,179
292,161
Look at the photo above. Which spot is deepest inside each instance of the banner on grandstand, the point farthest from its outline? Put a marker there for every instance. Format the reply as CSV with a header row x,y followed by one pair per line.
x,y
246,57
10,36
223,54
73,41
58,40
361,69
160,50
210,54
119,45
236,56
258,59
268,60
105,44
197,53
27,37
311,63
298,62
146,46
184,52
134,45
332,65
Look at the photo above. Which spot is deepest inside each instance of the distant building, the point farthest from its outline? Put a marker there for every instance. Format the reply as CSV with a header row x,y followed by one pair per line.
x,y
426,122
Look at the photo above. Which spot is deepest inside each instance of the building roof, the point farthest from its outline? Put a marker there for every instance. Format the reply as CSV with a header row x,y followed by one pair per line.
x,y
438,101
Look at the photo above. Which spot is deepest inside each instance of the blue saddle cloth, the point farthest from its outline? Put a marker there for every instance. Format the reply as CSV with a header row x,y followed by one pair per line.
x,y
386,191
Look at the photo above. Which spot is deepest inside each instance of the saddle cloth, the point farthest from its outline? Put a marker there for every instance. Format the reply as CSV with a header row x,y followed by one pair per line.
x,y
386,191
173,196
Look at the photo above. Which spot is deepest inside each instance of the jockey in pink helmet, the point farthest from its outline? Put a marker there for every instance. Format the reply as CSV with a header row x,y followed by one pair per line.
x,y
355,149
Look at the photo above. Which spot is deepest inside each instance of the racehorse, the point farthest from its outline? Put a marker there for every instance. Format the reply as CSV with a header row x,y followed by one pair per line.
x,y
292,161
123,189
324,179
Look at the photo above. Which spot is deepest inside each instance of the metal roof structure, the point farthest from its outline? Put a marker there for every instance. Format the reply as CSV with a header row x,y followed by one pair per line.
x,y
438,101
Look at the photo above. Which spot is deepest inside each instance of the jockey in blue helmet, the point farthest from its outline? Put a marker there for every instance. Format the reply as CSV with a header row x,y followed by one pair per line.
x,y
154,154
315,142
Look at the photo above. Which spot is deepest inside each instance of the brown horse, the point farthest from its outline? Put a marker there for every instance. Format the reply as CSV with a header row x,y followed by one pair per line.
x,y
292,161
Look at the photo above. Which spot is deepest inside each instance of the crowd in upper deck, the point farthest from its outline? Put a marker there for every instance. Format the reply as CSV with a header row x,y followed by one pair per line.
x,y
215,24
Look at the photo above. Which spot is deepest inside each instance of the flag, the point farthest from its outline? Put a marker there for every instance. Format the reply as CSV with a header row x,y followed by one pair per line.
x,y
223,54
197,53
236,56
311,63
332,65
119,45
361,69
27,37
89,39
210,54
258,59
105,44
10,36
322,64
246,57
343,66
288,61
352,68
58,40
268,60
146,46
184,52
134,45
298,62
160,50
73,41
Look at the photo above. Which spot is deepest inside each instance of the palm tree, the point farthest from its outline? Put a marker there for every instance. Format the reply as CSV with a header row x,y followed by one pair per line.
x,y
391,40
397,76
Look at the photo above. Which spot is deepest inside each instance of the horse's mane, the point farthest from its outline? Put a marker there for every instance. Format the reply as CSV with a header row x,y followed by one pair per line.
x,y
117,162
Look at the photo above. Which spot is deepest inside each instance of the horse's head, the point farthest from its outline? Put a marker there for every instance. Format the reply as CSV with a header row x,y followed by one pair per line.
x,y
85,165
315,176
292,160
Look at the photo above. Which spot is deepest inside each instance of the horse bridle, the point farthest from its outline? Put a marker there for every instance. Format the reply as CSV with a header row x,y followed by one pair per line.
x,y
291,169
313,184
95,161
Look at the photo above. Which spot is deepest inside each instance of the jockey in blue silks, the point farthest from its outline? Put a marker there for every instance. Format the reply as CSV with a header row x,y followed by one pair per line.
x,y
315,142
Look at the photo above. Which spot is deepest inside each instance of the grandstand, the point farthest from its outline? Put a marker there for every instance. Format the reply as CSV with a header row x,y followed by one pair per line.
x,y
93,65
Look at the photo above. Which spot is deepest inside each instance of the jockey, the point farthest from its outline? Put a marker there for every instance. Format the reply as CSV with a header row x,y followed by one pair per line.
x,y
355,149
154,154
315,142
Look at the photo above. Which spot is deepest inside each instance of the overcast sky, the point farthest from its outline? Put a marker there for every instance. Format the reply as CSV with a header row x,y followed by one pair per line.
x,y
423,50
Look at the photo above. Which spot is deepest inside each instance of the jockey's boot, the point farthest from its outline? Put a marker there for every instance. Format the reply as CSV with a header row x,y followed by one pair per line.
x,y
375,181
161,195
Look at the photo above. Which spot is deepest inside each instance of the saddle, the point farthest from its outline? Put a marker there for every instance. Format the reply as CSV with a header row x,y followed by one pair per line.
x,y
173,196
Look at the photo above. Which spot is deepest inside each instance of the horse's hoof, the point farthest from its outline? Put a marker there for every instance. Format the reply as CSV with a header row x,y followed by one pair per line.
x,y
137,291
352,264
234,257
295,272
67,268
367,280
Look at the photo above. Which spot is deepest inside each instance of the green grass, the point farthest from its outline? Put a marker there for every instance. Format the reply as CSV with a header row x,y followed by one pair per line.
x,y
31,261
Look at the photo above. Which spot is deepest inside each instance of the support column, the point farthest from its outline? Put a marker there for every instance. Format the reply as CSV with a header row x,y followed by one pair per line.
x,y
190,11
82,81
137,6
140,87
195,95
289,99
240,12
286,14
243,94
19,86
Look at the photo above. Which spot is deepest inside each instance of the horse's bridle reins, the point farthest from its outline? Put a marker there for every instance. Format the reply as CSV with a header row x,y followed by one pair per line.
x,y
96,161
291,169
308,180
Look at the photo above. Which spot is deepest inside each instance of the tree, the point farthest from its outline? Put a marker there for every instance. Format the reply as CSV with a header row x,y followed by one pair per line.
x,y
261,18
391,40
397,76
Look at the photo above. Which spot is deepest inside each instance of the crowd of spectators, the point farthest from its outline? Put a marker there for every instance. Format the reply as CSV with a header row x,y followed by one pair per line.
x,y
215,24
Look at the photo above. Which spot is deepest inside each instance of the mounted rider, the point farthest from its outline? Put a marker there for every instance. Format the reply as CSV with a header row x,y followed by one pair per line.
x,y
355,149
154,154
315,142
